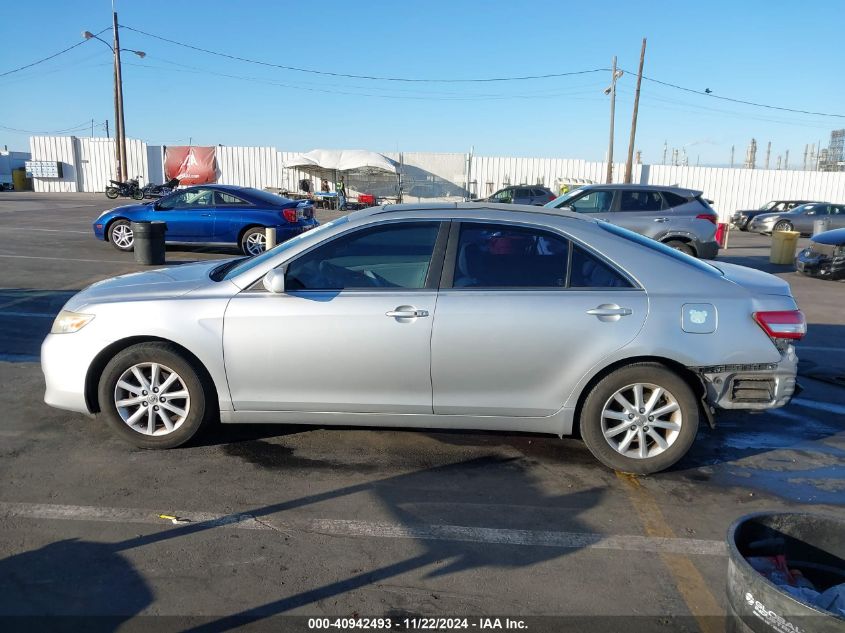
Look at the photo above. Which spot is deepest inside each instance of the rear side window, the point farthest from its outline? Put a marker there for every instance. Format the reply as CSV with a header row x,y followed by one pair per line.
x,y
522,193
673,200
661,248
588,271
640,201
502,256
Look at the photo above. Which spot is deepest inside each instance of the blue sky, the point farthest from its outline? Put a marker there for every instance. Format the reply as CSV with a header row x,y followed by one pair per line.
x,y
772,52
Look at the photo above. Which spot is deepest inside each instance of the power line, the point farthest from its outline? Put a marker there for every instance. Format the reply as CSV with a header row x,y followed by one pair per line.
x,y
708,93
49,57
76,128
371,77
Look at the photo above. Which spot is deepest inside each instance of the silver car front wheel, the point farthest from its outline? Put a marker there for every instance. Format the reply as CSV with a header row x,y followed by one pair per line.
x,y
152,399
155,396
641,420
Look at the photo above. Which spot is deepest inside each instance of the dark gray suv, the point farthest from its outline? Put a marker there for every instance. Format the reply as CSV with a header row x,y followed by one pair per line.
x,y
678,217
536,195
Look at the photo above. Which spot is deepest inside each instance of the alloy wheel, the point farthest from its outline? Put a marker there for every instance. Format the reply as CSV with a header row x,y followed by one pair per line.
x,y
152,399
122,236
641,420
256,243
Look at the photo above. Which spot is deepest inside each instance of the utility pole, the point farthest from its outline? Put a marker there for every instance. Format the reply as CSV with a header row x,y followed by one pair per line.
x,y
107,129
786,159
612,92
768,154
628,164
92,128
732,156
665,149
118,78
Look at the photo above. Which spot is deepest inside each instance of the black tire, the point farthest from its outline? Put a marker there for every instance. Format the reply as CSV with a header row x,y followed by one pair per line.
x,y
604,390
783,225
112,193
249,235
678,245
111,235
138,194
168,356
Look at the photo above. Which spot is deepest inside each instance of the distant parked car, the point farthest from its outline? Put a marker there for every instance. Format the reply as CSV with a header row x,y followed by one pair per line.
x,y
680,218
211,214
536,195
800,219
825,257
740,219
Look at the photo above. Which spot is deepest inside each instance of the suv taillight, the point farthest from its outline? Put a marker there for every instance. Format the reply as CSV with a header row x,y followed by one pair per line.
x,y
783,324
707,216
289,215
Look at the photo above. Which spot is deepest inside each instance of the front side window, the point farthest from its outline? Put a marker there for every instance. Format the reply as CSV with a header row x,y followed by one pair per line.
x,y
640,201
503,256
593,202
190,198
390,256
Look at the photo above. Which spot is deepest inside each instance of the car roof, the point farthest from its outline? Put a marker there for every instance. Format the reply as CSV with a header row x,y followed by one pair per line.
x,y
454,208
682,191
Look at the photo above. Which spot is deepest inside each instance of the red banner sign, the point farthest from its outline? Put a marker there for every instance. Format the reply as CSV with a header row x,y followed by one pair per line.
x,y
191,165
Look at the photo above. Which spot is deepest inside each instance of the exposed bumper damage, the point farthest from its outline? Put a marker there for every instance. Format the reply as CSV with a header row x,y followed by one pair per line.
x,y
751,386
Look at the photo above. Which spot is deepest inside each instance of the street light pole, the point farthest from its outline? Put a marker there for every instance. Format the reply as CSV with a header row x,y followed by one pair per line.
x,y
119,132
612,92
120,150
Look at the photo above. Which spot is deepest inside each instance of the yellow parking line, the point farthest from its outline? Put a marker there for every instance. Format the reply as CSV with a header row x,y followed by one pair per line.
x,y
700,601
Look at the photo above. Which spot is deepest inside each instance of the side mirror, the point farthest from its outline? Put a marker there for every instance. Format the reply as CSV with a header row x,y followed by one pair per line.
x,y
274,281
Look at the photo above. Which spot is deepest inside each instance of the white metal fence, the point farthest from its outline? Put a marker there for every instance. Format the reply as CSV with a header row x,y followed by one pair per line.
x,y
88,164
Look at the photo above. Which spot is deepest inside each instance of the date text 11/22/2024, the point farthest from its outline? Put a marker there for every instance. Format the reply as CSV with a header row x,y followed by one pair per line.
x,y
416,624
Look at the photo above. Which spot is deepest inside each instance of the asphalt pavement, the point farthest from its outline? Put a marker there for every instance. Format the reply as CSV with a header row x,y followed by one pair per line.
x,y
281,521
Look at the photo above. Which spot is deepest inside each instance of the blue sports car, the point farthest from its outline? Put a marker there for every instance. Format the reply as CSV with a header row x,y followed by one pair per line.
x,y
211,214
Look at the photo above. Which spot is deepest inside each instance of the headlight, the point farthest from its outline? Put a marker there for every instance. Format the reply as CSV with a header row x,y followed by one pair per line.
x,y
67,322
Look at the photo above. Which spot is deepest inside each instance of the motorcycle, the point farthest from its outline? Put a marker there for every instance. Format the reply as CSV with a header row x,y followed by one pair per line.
x,y
128,189
157,191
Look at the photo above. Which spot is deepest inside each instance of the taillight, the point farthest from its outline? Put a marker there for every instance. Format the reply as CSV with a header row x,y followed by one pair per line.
x,y
707,216
289,215
787,324
552,197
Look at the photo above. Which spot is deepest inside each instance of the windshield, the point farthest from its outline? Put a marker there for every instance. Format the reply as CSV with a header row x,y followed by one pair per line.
x,y
661,248
562,199
252,262
768,205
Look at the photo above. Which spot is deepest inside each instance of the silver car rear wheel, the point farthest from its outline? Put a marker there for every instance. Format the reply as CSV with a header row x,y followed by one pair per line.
x,y
152,399
641,420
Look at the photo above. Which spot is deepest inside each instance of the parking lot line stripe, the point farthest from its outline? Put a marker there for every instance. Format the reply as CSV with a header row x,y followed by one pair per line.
x,y
820,406
20,228
694,591
67,259
378,530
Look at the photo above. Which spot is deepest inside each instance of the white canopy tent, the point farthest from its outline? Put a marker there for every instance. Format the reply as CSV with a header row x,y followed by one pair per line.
x,y
326,162
360,169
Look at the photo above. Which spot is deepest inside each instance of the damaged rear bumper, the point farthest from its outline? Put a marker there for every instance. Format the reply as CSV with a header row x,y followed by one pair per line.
x,y
751,386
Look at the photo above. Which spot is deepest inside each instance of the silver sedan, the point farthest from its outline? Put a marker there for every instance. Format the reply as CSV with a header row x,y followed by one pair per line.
x,y
801,218
468,316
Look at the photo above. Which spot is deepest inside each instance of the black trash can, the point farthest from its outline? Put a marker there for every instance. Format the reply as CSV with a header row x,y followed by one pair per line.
x,y
149,242
811,543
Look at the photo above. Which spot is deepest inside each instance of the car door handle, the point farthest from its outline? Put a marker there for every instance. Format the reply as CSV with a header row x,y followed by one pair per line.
x,y
661,219
606,311
406,314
